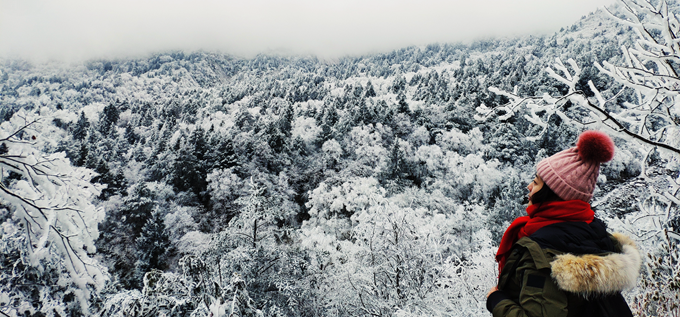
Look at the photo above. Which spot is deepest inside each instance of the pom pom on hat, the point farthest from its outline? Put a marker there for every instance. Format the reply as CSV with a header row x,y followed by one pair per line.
x,y
572,173
595,146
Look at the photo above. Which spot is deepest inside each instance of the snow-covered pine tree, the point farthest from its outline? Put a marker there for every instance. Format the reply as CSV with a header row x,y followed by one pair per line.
x,y
153,245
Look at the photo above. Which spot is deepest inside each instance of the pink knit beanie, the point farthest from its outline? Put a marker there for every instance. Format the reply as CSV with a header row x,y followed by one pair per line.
x,y
572,173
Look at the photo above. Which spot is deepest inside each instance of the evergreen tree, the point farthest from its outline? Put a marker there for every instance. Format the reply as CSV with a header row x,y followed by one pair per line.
x,y
384,112
92,156
326,133
83,153
505,144
153,246
221,154
299,147
197,138
396,172
358,91
397,164
185,173
369,91
138,206
130,135
399,84
275,137
109,119
119,232
402,105
201,166
81,127
557,136
361,113
115,183
286,120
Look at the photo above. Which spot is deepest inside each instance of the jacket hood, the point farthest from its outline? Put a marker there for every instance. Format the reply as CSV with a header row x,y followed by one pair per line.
x,y
591,274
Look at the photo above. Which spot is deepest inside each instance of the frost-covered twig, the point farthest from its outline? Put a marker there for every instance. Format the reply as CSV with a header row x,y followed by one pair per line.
x,y
542,108
15,133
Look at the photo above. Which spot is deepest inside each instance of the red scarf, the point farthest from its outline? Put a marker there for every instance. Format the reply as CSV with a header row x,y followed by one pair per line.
x,y
539,216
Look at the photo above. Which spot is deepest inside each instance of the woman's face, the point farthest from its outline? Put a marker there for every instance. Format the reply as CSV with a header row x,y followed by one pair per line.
x,y
534,186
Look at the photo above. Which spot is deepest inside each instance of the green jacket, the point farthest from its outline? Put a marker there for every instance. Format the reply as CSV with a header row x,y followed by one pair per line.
x,y
545,282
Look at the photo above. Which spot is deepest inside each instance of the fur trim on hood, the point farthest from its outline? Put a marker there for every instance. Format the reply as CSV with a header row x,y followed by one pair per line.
x,y
591,274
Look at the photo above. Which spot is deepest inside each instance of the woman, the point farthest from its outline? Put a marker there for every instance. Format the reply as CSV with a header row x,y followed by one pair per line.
x,y
559,260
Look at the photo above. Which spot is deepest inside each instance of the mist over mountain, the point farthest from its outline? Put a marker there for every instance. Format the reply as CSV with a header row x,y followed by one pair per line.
x,y
79,30
294,185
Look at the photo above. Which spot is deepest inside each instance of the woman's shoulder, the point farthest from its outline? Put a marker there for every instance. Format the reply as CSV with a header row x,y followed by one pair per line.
x,y
576,237
590,274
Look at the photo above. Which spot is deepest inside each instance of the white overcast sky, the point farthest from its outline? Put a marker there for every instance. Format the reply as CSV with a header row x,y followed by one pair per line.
x,y
77,29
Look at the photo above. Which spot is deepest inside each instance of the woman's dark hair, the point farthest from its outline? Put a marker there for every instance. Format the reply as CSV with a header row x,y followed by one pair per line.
x,y
544,194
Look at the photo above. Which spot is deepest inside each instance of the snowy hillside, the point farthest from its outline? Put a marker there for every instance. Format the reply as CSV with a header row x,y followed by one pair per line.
x,y
293,186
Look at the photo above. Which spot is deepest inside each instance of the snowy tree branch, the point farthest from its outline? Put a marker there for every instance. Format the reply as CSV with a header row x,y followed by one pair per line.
x,y
611,120
53,198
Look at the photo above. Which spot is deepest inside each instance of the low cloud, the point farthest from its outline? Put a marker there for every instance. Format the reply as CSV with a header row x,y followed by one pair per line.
x,y
84,29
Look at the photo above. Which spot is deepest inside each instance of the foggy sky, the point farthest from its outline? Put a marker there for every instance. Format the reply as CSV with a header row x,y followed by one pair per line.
x,y
84,29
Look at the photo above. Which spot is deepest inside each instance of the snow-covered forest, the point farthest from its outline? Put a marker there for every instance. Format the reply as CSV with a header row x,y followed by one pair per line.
x,y
205,184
